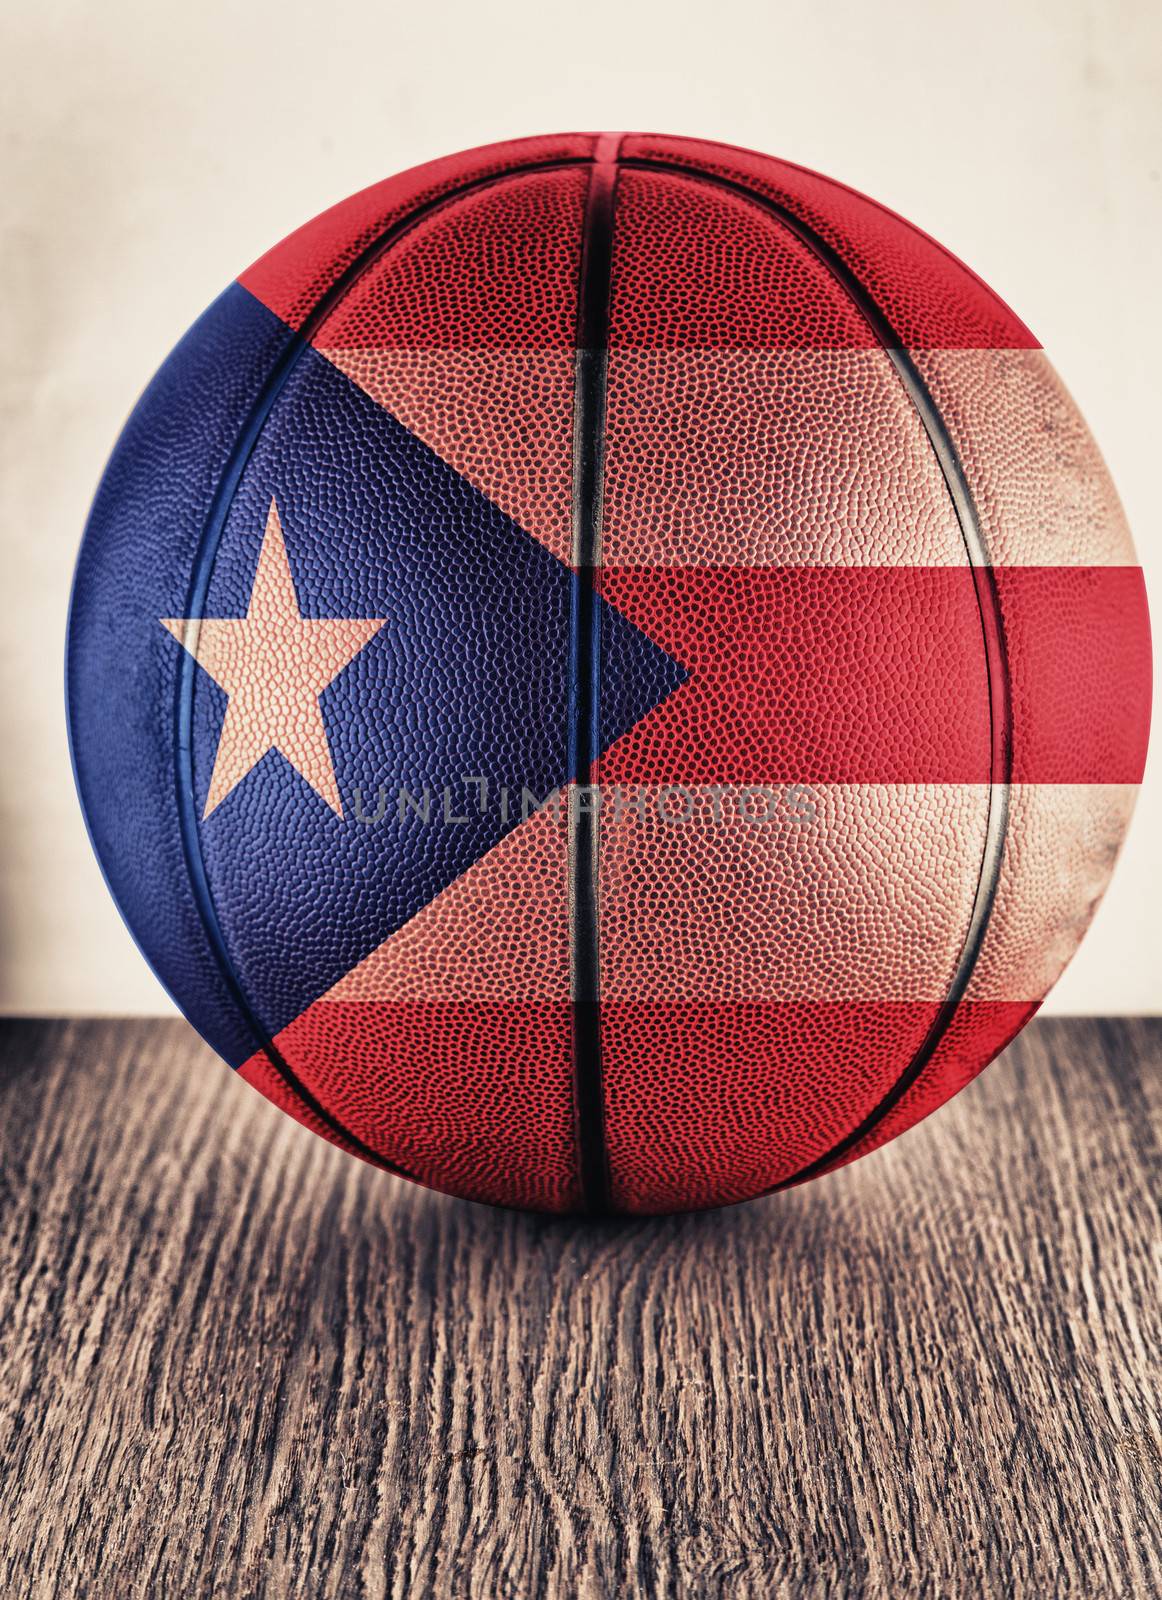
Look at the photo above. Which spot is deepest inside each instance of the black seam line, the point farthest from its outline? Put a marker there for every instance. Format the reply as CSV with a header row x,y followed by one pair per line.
x,y
584,734
199,584
992,628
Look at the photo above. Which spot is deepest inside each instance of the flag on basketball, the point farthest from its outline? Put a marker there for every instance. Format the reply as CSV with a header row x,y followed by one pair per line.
x,y
608,673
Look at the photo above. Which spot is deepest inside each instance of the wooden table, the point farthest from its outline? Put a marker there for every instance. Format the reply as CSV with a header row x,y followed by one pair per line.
x,y
234,1361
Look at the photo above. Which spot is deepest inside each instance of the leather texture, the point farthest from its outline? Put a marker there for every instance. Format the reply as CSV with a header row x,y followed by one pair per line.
x,y
797,777
467,677
136,566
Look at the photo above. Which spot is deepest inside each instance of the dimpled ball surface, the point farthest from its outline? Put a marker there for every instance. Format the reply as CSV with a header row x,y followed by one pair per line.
x,y
607,673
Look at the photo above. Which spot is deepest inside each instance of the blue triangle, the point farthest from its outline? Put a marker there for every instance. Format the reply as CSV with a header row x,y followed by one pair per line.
x,y
466,680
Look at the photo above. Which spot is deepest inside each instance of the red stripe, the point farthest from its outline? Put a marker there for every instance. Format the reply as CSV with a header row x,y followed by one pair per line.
x,y
932,300
879,675
291,278
978,1032
698,267
707,1104
471,1097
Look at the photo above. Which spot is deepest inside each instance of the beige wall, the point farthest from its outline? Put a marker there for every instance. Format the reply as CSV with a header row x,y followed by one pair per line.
x,y
151,150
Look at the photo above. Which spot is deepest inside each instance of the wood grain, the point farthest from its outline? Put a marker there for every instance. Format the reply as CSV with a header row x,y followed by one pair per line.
x,y
236,1362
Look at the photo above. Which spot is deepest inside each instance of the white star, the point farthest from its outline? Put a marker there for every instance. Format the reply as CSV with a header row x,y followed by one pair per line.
x,y
274,663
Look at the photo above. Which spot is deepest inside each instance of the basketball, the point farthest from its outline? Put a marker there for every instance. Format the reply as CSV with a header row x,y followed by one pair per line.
x,y
607,674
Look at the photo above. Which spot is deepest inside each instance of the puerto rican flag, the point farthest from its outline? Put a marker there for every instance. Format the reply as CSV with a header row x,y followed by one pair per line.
x,y
327,619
